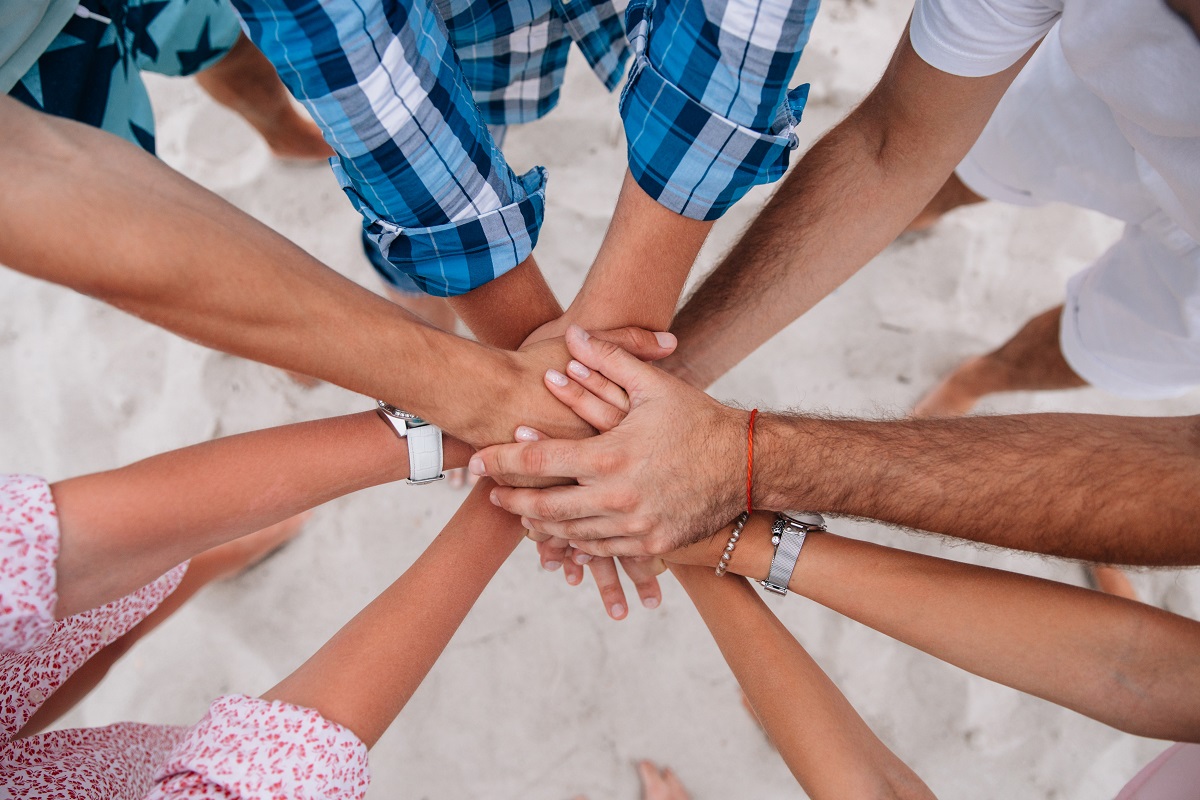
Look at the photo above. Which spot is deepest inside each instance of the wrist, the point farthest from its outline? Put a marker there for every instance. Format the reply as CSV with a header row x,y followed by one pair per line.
x,y
788,464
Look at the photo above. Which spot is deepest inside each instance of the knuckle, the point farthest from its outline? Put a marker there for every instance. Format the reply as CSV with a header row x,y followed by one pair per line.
x,y
532,460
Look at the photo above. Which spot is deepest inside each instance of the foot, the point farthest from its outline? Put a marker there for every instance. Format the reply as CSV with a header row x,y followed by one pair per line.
x,y
1111,580
657,784
233,558
956,394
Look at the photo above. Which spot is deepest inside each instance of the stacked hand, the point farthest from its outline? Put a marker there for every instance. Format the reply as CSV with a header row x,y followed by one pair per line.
x,y
667,469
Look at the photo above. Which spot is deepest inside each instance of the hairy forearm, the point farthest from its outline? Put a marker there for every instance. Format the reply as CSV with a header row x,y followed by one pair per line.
x,y
642,265
123,528
1126,664
1118,490
846,200
824,742
368,671
152,243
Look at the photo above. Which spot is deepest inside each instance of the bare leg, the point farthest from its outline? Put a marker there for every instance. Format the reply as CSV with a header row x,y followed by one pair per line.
x,y
220,562
245,82
1030,361
954,193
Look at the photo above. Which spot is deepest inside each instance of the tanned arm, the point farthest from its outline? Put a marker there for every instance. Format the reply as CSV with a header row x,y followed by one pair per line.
x,y
846,200
1120,662
123,528
1103,488
822,739
149,241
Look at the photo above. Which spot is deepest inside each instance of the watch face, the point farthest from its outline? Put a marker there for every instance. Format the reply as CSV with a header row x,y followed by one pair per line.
x,y
392,411
810,518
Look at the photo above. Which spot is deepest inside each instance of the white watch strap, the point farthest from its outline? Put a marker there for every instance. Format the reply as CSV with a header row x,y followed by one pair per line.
x,y
424,454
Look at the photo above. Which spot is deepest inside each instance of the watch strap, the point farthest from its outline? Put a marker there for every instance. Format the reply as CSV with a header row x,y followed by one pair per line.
x,y
424,454
789,540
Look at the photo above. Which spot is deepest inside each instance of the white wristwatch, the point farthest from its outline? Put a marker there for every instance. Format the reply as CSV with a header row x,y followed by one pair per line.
x,y
424,443
788,534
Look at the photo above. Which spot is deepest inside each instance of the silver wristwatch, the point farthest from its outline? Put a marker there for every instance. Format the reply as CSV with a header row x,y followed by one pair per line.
x,y
788,534
424,443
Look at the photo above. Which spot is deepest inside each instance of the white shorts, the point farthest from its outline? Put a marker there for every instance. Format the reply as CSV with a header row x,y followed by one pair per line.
x,y
1131,321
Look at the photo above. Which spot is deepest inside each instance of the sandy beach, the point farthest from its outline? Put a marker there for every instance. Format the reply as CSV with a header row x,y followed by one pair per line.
x,y
540,696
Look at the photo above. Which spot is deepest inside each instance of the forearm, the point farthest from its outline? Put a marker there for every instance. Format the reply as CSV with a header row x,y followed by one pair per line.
x,y
846,200
366,674
122,529
825,743
642,265
1116,490
504,311
1123,663
150,242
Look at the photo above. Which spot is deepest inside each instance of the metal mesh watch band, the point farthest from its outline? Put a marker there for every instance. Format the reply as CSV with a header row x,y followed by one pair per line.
x,y
788,534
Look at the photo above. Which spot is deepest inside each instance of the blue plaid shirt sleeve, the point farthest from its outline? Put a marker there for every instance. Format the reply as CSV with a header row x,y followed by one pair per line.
x,y
707,111
412,151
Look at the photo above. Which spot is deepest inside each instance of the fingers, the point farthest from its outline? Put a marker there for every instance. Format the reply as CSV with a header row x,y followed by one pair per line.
x,y
512,463
614,546
599,385
591,408
644,573
604,570
552,504
586,528
641,343
553,553
607,358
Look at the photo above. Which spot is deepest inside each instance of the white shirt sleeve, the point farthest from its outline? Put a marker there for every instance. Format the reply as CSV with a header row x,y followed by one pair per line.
x,y
973,38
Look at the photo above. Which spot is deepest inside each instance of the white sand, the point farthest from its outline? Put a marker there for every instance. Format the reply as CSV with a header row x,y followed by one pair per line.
x,y
540,696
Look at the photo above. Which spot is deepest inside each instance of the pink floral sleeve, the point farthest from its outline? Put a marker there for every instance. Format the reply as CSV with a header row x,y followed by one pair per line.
x,y
251,749
28,552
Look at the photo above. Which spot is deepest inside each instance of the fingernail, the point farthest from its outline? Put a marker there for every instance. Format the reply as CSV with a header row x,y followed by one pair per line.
x,y
573,579
666,340
526,524
650,602
551,566
617,611
476,466
524,434
556,377
494,498
578,370
579,333
582,558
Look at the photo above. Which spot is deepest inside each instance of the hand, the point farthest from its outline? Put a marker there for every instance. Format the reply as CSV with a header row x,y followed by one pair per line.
x,y
668,474
520,398
556,553
751,557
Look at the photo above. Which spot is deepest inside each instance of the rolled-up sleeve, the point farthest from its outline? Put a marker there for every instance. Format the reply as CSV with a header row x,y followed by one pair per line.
x,y
251,749
412,150
707,111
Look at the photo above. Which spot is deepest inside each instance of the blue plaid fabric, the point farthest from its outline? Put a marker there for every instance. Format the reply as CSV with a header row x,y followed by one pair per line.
x,y
404,91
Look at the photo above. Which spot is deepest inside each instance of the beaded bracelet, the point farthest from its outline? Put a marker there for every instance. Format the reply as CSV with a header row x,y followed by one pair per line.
x,y
723,564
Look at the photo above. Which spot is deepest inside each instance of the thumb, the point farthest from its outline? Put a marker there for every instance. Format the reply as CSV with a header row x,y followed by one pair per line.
x,y
611,361
639,342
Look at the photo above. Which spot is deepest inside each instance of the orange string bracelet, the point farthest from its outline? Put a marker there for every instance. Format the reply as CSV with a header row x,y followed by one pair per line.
x,y
750,462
